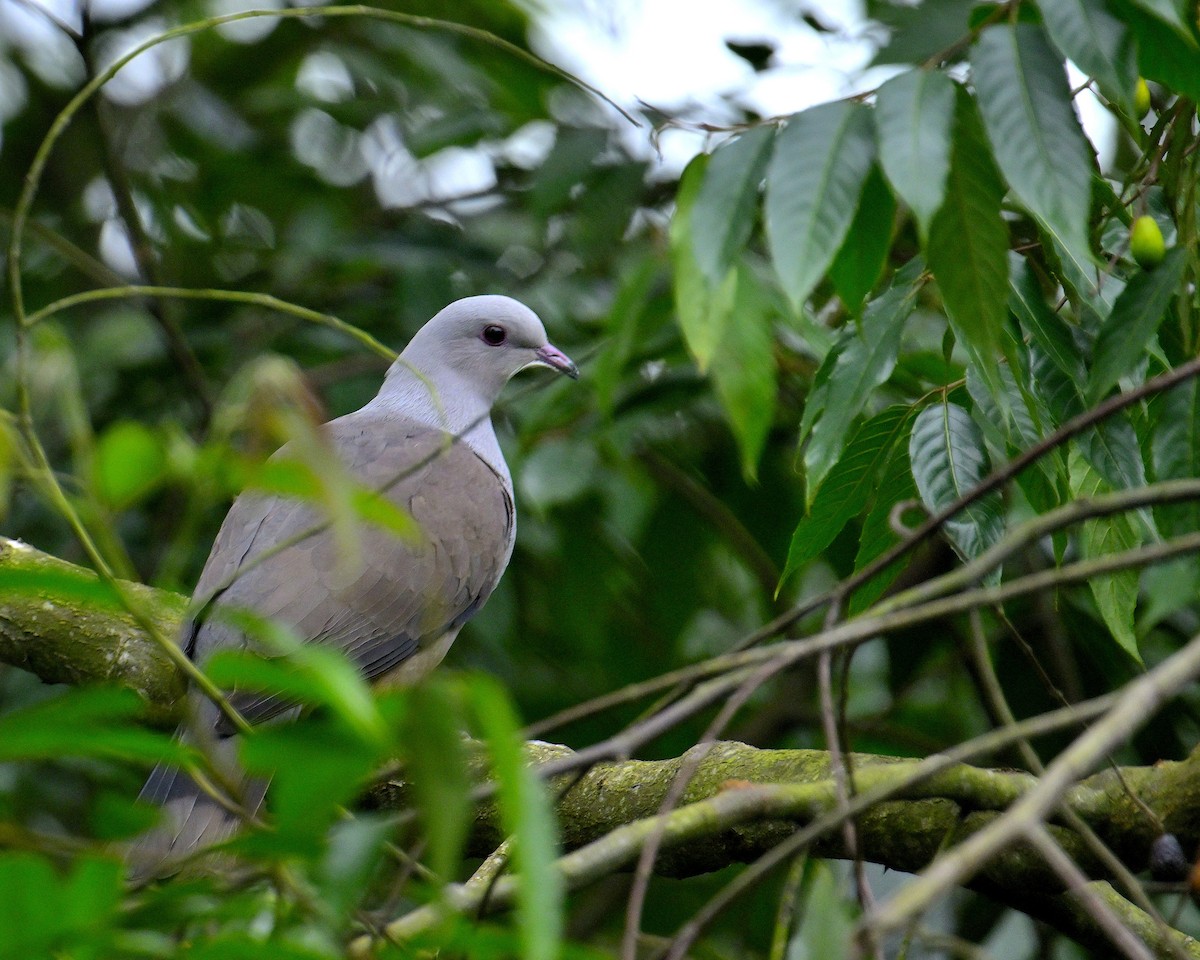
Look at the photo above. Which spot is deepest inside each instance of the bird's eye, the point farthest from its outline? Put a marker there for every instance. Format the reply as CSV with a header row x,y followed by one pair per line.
x,y
493,335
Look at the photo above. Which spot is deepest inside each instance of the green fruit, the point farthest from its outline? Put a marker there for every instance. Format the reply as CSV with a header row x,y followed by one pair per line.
x,y
1141,99
1146,243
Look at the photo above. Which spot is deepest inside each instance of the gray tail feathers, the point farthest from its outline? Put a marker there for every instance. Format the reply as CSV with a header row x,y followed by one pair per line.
x,y
192,820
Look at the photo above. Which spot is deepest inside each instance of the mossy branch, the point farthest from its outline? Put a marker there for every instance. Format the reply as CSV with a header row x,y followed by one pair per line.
x,y
59,621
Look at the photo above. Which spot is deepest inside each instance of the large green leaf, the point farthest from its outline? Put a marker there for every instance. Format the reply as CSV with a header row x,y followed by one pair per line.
x,y
723,214
1086,32
866,359
816,174
1176,451
528,818
1164,55
704,308
949,460
1026,105
1134,319
914,115
1174,14
1050,330
849,486
743,370
895,487
860,260
1115,593
968,242
436,761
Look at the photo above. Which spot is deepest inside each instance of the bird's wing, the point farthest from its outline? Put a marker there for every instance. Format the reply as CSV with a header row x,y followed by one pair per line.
x,y
390,595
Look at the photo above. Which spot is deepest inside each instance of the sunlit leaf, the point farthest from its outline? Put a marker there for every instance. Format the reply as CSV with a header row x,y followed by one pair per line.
x,y
527,816
703,308
436,763
743,370
821,159
914,116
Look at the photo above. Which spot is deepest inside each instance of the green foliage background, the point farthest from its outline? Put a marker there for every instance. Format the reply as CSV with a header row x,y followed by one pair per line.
x,y
874,301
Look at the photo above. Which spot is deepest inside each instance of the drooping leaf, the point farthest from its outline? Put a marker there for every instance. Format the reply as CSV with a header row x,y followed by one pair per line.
x,y
849,485
1086,32
1174,14
1176,452
528,818
816,174
914,116
743,370
1026,105
895,487
129,463
1164,55
949,460
1135,317
968,242
437,765
866,360
860,260
703,308
1115,593
723,214
1049,329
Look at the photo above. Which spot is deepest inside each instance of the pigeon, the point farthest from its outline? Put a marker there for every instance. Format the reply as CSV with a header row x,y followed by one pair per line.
x,y
425,442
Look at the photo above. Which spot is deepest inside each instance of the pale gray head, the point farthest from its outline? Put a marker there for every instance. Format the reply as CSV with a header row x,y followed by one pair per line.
x,y
478,343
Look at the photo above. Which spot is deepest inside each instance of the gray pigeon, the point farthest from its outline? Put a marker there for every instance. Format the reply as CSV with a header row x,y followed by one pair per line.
x,y
426,442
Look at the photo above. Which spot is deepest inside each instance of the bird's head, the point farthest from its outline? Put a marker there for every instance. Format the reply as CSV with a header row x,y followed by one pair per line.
x,y
483,341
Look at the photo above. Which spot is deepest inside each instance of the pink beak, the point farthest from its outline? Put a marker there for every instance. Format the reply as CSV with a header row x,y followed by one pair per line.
x,y
551,356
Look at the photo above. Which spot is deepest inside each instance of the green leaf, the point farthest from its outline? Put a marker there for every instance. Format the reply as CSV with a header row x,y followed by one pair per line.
x,y
85,722
704,308
743,370
527,816
29,909
914,115
130,463
848,487
860,261
1112,449
822,157
949,460
968,242
1049,329
723,214
1174,14
436,763
1164,55
1026,105
895,486
1099,44
1134,320
1116,594
1176,452
866,359
826,930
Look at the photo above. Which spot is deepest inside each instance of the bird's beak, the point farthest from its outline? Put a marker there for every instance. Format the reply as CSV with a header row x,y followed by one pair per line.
x,y
551,356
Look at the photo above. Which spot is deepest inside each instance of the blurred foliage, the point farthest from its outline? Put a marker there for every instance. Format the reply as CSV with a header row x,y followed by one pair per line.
x,y
875,302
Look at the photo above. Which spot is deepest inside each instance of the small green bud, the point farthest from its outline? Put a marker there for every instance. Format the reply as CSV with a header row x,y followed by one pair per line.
x,y
1141,99
1146,243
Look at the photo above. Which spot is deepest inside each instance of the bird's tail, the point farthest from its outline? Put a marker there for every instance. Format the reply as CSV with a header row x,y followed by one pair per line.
x,y
192,819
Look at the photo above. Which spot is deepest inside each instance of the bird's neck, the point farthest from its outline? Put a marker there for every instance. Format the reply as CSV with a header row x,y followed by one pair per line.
x,y
445,402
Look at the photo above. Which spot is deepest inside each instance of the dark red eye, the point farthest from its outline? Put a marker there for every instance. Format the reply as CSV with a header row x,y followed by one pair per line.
x,y
494,335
